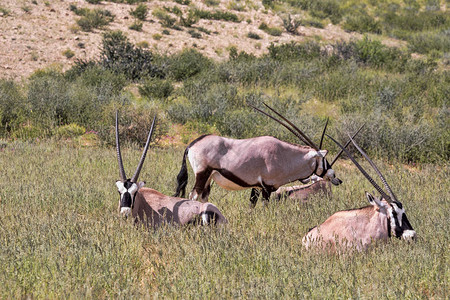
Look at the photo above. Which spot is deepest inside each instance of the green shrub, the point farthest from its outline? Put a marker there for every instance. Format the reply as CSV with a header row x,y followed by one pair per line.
x,y
426,42
13,106
137,25
253,35
295,51
216,15
156,88
68,53
195,34
362,22
275,31
120,56
69,131
164,18
93,1
187,64
93,19
140,12
290,24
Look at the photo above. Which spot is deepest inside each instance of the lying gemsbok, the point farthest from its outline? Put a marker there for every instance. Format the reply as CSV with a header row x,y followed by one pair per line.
x,y
302,193
153,208
358,228
263,162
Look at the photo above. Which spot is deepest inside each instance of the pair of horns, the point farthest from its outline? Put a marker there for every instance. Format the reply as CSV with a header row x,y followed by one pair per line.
x,y
390,198
298,133
294,130
135,177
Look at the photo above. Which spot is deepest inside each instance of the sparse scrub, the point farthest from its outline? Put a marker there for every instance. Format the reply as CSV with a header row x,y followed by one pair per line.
x,y
362,22
164,18
140,12
93,19
68,53
216,15
253,35
4,11
290,24
156,88
136,25
274,31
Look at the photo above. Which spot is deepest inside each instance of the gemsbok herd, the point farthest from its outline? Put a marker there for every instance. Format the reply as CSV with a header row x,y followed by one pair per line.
x,y
265,164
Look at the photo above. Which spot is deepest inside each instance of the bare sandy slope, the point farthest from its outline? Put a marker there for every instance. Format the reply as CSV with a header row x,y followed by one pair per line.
x,y
34,36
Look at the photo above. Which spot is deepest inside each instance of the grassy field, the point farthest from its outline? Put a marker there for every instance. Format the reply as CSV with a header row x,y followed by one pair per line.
x,y
61,237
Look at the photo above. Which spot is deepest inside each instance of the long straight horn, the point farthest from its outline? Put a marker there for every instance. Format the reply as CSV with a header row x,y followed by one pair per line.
x,y
346,144
123,177
323,133
144,153
306,139
287,127
386,185
375,185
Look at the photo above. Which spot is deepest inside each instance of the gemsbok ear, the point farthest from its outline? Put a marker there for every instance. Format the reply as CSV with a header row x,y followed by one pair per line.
x,y
140,184
323,153
373,200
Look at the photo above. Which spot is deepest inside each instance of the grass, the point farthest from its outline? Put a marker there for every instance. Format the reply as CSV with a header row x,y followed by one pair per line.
x,y
61,236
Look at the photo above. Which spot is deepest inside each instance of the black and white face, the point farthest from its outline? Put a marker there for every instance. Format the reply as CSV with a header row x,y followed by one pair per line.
x,y
399,223
127,191
328,173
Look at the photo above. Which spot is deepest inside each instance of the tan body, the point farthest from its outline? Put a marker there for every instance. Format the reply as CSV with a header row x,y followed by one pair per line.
x,y
304,192
261,160
153,209
356,228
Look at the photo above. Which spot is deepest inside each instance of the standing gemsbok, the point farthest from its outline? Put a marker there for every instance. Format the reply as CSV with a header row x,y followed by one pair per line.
x,y
263,162
358,228
153,208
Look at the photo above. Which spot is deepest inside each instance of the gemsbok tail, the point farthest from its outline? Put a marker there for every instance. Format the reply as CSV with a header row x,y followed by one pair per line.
x,y
182,177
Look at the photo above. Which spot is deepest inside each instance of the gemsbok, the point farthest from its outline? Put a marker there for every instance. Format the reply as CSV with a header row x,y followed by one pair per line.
x,y
151,207
302,193
358,228
261,163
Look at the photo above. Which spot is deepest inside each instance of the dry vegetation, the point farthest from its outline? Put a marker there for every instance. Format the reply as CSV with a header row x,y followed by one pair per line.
x,y
35,34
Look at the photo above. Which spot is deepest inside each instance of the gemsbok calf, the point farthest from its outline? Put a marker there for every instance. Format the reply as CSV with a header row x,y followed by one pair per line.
x,y
358,228
261,163
152,208
302,193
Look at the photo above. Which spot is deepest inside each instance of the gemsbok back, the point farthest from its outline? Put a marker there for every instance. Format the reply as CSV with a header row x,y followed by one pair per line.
x,y
261,163
152,208
358,228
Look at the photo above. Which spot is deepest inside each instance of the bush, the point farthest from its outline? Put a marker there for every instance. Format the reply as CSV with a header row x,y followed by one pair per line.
x,y
275,31
120,56
140,12
253,35
187,64
294,51
156,88
164,18
362,22
216,15
428,41
92,19
13,107
137,25
290,24
69,131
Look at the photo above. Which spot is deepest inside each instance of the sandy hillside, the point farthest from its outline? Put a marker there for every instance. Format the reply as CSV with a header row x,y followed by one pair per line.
x,y
35,34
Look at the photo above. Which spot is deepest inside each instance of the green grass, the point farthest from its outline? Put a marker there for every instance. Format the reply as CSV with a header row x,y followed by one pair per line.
x,y
61,237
